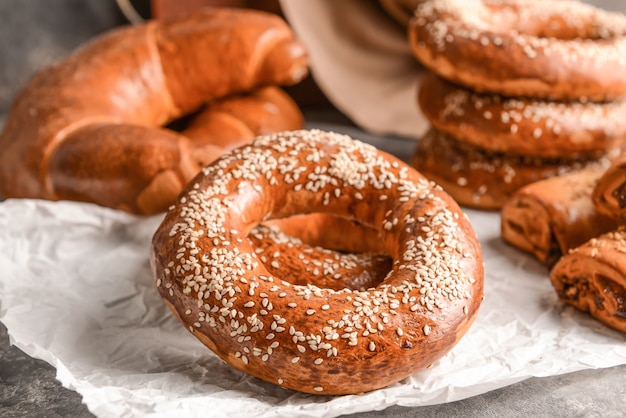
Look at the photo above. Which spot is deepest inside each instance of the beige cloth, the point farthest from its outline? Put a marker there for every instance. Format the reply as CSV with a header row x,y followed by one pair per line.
x,y
361,60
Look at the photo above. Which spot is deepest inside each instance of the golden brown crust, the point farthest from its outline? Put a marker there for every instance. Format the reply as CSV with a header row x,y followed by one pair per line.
x,y
549,217
609,195
304,337
532,48
260,50
592,278
133,80
523,126
483,179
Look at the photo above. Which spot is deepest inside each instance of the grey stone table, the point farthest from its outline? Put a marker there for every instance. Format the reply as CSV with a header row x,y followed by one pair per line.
x,y
34,33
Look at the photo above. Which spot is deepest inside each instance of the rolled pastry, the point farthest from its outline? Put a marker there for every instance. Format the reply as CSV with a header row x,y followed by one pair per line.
x,y
592,278
549,217
609,195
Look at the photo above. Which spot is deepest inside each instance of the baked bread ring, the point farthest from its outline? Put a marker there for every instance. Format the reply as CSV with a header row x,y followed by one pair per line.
x,y
533,48
323,244
304,337
485,180
523,126
592,278
111,97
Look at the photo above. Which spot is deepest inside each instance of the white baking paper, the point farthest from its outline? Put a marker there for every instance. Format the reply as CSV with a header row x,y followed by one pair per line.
x,y
76,291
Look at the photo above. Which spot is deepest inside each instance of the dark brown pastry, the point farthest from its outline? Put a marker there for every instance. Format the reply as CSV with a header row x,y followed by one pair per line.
x,y
549,217
592,278
609,195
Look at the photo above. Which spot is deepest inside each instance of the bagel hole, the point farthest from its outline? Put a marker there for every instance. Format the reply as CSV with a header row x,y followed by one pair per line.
x,y
335,253
214,124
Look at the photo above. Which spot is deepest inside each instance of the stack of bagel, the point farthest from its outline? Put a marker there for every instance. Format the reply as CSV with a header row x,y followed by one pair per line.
x,y
517,91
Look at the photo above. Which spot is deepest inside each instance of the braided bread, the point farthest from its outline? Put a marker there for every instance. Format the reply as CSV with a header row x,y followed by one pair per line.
x,y
90,127
592,278
308,336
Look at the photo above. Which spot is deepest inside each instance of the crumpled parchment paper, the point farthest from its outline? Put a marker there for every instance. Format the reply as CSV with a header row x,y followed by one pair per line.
x,y
76,291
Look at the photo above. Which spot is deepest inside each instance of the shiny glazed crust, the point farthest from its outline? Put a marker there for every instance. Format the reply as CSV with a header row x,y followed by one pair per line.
x,y
521,126
550,217
592,278
486,180
89,127
532,48
305,337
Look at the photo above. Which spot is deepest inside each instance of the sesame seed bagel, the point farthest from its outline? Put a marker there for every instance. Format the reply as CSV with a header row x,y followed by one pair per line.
x,y
523,126
400,10
535,48
486,180
308,337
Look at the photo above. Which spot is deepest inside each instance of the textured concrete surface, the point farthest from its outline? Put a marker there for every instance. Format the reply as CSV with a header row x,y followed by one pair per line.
x,y
34,33
28,387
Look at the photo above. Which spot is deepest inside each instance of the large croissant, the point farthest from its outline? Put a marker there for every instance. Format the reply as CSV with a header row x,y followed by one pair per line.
x,y
90,128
